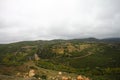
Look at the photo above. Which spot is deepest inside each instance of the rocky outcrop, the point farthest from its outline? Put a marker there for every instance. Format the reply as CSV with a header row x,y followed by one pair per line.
x,y
36,57
31,73
82,78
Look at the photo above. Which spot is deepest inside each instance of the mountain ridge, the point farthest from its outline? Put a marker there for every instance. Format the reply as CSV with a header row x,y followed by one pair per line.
x,y
90,39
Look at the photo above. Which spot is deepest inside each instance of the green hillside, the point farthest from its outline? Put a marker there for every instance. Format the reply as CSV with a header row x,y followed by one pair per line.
x,y
90,57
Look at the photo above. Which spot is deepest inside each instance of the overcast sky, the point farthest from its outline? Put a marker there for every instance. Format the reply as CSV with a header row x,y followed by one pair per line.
x,y
58,19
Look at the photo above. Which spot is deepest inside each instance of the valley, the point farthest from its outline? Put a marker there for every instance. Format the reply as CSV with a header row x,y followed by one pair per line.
x,y
88,59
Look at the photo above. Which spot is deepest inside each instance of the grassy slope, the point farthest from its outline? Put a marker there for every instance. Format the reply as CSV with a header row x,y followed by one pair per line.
x,y
103,61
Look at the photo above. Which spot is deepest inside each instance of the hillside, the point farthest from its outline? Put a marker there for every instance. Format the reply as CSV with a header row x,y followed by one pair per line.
x,y
94,58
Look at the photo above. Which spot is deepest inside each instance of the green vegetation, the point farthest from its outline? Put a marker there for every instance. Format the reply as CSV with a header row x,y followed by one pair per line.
x,y
98,60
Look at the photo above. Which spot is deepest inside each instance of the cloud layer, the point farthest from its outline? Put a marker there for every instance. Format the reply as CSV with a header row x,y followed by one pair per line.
x,y
52,19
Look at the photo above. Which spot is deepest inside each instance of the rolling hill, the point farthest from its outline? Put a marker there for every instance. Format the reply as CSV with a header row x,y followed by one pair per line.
x,y
98,59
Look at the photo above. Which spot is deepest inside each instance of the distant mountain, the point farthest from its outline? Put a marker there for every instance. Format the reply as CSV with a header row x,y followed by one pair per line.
x,y
91,39
111,40
86,40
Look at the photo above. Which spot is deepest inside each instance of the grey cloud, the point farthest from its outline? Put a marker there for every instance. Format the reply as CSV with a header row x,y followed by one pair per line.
x,y
66,19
